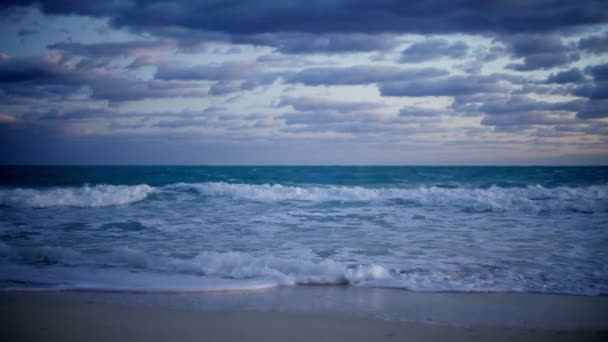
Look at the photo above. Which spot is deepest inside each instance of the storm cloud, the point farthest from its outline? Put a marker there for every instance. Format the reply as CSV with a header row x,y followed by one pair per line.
x,y
238,17
433,49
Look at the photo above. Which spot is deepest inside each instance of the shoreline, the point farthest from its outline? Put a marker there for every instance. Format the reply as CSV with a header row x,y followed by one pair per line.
x,y
301,315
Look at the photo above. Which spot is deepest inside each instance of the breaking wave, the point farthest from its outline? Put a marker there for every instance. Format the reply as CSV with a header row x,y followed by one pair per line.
x,y
126,269
87,196
532,198
207,270
590,199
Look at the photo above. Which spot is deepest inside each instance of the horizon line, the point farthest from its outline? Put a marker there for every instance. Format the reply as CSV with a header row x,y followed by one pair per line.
x,y
296,165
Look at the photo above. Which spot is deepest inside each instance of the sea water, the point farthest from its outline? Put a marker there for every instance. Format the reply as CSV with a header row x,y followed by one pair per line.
x,y
195,228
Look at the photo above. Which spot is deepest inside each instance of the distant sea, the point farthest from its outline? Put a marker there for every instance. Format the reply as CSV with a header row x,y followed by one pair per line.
x,y
191,228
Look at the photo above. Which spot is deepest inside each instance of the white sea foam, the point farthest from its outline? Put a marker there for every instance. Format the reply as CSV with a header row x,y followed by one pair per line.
x,y
532,198
125,269
267,270
87,196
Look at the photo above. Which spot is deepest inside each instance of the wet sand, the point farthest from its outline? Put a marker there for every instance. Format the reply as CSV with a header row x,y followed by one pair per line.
x,y
42,316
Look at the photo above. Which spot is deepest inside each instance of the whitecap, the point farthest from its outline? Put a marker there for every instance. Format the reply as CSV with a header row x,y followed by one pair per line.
x,y
86,196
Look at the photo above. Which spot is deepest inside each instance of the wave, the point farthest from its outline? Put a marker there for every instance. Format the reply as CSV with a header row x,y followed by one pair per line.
x,y
590,199
208,271
87,196
532,198
126,269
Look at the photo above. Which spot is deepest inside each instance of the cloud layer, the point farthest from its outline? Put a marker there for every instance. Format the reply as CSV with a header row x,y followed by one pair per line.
x,y
355,81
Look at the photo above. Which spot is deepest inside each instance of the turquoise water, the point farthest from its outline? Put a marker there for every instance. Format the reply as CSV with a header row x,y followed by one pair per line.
x,y
157,228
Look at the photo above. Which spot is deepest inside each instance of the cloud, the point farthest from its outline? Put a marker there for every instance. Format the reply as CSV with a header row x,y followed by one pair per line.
x,y
121,90
225,87
56,75
596,89
354,118
288,47
519,112
6,118
433,49
592,90
522,104
539,51
524,120
143,61
324,104
143,53
573,75
594,44
445,86
361,74
308,43
231,77
599,72
356,124
411,111
23,33
227,71
240,17
47,68
331,116
69,112
115,49
594,109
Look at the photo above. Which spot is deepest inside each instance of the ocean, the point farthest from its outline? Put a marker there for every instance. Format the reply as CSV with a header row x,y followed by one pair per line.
x,y
215,228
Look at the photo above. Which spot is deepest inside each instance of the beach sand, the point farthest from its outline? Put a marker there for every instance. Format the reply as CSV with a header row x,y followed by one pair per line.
x,y
67,317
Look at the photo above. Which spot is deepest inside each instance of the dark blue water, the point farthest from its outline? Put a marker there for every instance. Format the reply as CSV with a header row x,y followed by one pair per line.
x,y
483,177
160,228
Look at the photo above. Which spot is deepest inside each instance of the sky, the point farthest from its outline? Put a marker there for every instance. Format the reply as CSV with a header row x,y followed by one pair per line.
x,y
352,82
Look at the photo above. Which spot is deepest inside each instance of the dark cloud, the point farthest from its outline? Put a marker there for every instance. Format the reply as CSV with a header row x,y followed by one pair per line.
x,y
121,90
573,75
518,112
324,104
304,43
56,75
130,48
144,53
76,112
592,90
599,72
241,17
81,86
473,67
231,77
594,44
363,74
539,51
225,87
143,61
596,89
69,112
594,109
208,72
411,111
359,123
433,49
45,69
330,116
218,119
25,32
180,123
354,118
445,86
522,104
524,120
